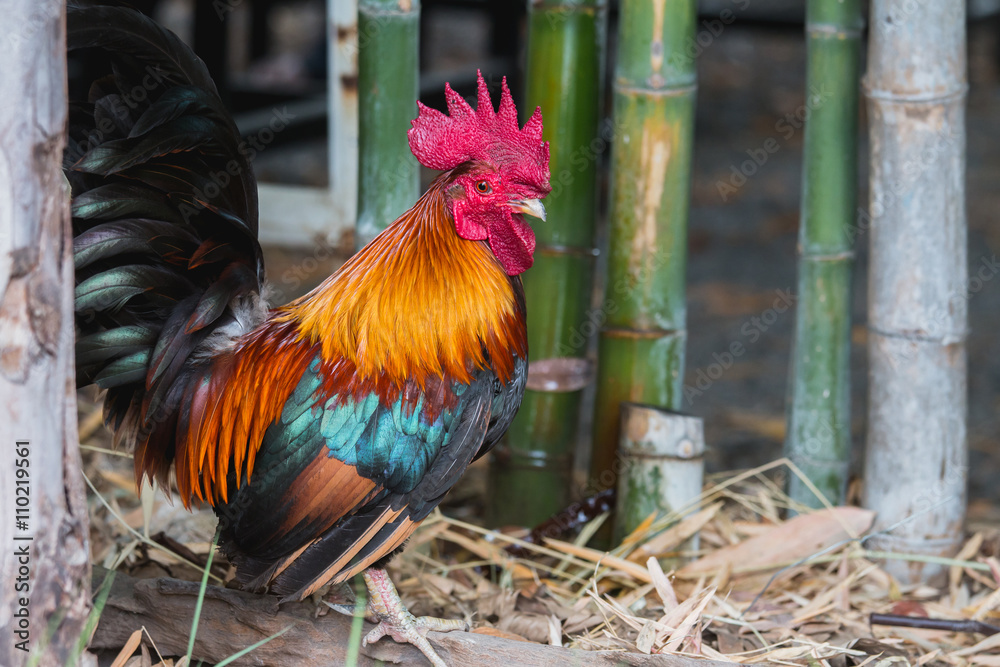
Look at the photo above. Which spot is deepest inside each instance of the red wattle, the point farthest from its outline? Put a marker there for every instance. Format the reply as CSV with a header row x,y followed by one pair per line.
x,y
513,242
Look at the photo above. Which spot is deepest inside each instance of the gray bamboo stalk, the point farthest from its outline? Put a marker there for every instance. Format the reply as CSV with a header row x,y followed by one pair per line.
x,y
916,466
819,416
388,87
45,556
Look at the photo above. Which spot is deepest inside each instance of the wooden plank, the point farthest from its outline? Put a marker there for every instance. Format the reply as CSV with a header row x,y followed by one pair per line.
x,y
299,216
342,84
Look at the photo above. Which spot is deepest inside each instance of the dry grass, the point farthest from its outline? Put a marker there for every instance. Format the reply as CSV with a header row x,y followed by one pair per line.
x,y
756,588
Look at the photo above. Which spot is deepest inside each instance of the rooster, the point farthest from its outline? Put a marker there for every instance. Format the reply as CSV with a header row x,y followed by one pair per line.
x,y
323,431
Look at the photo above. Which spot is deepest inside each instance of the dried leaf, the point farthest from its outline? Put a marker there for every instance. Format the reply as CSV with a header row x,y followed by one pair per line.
x,y
497,632
685,626
968,551
130,646
640,531
662,584
798,538
644,642
555,631
602,557
676,535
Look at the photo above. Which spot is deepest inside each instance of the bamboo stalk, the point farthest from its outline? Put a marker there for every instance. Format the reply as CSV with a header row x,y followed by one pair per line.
x,y
641,348
388,85
531,471
916,467
819,417
664,463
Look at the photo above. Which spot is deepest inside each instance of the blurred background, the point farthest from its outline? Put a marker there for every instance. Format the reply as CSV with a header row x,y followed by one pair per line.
x,y
270,60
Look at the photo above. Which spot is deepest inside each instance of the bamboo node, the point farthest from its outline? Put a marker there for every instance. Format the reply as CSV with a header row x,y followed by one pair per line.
x,y
559,374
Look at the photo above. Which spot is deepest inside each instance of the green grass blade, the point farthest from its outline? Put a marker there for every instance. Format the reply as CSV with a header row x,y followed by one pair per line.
x,y
240,654
92,618
357,625
201,596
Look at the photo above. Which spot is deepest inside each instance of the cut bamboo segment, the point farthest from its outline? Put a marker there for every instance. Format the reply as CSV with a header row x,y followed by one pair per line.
x,y
641,351
388,84
662,466
531,467
917,459
818,436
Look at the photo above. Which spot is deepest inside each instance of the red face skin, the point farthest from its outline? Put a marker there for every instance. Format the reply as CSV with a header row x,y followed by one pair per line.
x,y
487,206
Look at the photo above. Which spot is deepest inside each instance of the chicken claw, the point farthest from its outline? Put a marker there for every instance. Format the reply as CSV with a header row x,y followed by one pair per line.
x,y
392,619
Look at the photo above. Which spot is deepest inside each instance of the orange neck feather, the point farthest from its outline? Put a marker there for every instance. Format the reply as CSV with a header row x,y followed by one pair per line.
x,y
418,303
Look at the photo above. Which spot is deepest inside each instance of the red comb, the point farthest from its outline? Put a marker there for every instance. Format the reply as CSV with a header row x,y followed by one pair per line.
x,y
445,141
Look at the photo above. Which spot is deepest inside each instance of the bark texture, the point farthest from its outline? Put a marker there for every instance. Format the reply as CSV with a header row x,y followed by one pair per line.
x,y
37,385
232,620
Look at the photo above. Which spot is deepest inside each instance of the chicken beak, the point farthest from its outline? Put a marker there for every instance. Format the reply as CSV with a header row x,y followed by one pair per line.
x,y
530,206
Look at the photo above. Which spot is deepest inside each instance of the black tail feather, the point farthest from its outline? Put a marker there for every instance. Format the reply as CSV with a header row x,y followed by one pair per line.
x,y
164,216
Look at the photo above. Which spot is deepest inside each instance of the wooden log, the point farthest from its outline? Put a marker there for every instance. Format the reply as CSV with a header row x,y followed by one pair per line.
x,y
44,562
917,462
231,620
663,465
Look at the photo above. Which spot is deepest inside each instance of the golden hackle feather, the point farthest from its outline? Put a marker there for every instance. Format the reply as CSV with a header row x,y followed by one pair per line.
x,y
418,302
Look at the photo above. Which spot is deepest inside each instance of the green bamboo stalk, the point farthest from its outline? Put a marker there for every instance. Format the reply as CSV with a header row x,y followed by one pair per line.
x,y
388,85
819,420
641,350
531,471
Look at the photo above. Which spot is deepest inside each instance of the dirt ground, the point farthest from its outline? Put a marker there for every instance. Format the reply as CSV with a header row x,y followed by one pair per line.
x,y
742,261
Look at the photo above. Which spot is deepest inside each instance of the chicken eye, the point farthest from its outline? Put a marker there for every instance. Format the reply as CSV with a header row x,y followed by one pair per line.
x,y
483,187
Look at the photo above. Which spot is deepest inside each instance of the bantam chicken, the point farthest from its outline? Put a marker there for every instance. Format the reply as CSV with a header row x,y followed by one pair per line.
x,y
323,431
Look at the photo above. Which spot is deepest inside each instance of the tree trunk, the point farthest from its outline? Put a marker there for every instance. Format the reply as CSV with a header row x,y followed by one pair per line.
x,y
531,470
916,465
819,416
641,351
388,78
45,564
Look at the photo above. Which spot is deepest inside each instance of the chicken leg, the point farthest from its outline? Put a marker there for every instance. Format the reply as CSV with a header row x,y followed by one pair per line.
x,y
392,619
